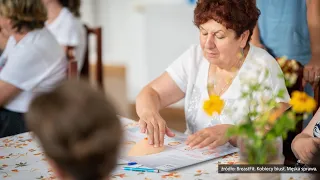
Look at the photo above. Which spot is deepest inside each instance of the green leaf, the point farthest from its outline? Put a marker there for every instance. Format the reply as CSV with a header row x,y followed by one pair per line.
x,y
281,75
244,95
266,75
281,93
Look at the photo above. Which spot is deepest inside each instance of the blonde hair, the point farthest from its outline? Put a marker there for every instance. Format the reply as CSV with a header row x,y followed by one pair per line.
x,y
24,14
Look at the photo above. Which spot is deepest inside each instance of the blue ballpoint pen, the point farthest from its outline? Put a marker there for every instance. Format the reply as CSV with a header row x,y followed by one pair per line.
x,y
128,164
141,169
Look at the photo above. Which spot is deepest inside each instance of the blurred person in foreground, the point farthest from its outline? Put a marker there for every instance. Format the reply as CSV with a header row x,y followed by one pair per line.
x,y
212,68
78,130
32,62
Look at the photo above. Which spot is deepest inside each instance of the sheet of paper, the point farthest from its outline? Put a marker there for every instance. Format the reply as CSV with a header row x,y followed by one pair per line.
x,y
176,154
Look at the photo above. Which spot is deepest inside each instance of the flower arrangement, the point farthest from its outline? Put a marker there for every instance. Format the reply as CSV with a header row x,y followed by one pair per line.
x,y
266,122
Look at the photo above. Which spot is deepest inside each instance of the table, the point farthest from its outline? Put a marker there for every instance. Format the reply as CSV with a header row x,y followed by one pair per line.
x,y
22,158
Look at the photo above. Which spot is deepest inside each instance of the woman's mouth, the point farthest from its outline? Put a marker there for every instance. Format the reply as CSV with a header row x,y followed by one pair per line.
x,y
212,54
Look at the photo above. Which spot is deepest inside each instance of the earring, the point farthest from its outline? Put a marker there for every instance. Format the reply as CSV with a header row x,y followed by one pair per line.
x,y
242,52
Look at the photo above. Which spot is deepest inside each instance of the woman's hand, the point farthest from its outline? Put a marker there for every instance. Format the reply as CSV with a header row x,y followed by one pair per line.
x,y
304,147
212,136
155,126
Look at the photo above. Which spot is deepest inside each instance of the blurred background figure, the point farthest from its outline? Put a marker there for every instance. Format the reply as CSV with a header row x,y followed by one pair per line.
x,y
64,22
291,28
82,116
33,62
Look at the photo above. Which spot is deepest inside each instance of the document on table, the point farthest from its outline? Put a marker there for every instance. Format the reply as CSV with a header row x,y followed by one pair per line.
x,y
176,154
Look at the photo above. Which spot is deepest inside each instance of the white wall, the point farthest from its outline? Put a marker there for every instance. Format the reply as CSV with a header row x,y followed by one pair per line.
x,y
144,35
88,13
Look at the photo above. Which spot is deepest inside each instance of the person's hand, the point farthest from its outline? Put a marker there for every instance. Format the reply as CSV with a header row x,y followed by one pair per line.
x,y
155,126
212,137
311,73
304,147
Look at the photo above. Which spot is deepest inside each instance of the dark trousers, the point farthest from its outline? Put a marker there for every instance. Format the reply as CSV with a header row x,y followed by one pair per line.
x,y
11,123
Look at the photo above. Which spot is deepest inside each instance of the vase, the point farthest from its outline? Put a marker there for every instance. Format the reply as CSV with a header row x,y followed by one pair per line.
x,y
260,152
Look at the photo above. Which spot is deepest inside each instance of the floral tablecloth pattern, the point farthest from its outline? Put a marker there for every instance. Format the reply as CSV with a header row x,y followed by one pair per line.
x,y
22,158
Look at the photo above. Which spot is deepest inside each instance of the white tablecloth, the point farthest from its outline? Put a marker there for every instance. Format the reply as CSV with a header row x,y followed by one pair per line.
x,y
22,158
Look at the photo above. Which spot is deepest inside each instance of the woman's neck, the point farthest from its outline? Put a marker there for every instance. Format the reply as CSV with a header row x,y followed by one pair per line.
x,y
232,67
19,36
53,10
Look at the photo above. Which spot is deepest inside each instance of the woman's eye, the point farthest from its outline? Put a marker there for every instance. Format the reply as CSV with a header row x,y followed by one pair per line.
x,y
219,36
205,34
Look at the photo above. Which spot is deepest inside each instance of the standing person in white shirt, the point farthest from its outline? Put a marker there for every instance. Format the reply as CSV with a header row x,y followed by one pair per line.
x,y
63,21
225,28
35,62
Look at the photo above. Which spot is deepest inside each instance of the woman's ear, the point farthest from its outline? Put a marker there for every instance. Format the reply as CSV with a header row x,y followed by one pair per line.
x,y
244,39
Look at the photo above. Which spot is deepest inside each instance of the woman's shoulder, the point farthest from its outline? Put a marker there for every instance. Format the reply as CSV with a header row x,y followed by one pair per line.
x,y
68,20
261,56
39,43
263,59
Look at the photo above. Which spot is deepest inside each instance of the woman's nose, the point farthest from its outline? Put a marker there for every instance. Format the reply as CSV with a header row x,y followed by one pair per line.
x,y
210,43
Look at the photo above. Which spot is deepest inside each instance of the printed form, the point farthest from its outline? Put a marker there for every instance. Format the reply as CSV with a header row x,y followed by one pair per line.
x,y
176,154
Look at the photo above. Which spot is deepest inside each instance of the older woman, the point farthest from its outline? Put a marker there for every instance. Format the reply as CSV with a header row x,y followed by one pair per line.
x,y
225,30
34,61
306,144
63,22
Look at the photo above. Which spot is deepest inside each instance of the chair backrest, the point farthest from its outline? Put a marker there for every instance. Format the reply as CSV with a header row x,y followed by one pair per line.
x,y
72,68
85,71
290,159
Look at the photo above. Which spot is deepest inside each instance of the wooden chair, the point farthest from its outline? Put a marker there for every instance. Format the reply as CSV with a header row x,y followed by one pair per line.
x,y
290,159
72,68
85,71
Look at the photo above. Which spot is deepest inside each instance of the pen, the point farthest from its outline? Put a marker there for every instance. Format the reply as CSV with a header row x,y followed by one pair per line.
x,y
128,164
141,169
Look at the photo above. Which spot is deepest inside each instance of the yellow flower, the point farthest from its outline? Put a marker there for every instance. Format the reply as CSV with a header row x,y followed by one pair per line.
x,y
282,61
213,105
301,102
294,65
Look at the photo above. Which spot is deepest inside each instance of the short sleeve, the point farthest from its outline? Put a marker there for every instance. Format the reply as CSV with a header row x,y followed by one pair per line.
x,y
180,70
274,81
70,33
277,82
24,69
260,62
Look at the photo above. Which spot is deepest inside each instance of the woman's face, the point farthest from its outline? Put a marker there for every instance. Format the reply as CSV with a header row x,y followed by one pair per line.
x,y
220,45
5,24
